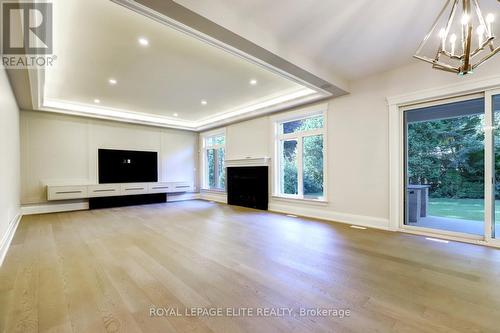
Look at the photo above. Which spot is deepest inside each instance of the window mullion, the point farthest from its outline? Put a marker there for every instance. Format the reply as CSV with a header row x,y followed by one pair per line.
x,y
300,166
206,180
216,168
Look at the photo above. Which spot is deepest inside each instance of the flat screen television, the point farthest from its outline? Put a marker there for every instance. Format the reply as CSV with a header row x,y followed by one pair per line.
x,y
127,166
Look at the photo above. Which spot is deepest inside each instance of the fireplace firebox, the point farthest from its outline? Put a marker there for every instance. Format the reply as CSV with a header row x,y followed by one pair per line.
x,y
248,187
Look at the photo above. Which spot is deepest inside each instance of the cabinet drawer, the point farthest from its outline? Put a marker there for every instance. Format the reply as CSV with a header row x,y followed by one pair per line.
x,y
132,189
66,192
104,190
181,187
159,188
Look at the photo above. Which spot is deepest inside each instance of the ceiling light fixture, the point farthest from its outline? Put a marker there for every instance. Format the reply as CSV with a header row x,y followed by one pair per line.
x,y
143,41
97,101
253,82
472,50
204,102
176,115
112,82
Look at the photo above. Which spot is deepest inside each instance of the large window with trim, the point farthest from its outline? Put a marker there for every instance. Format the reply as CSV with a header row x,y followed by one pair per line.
x,y
301,157
214,173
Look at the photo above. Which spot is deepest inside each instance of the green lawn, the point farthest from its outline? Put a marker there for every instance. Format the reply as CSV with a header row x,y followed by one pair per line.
x,y
465,209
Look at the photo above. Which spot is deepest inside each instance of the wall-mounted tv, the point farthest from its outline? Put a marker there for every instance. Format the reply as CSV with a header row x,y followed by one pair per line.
x,y
127,166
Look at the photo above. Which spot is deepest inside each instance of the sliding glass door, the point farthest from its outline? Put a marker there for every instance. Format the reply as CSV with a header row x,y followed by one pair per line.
x,y
445,167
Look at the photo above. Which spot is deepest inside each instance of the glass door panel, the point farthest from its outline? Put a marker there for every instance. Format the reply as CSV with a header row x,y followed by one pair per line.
x,y
444,173
289,168
313,167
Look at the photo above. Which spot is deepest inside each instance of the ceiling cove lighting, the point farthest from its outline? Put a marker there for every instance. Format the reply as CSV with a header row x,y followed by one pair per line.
x,y
143,41
463,37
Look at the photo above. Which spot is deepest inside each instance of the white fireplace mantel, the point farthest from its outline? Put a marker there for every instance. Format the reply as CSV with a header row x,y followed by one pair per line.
x,y
249,161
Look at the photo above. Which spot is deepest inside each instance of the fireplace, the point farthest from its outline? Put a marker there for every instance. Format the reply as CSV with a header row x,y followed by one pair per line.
x,y
247,186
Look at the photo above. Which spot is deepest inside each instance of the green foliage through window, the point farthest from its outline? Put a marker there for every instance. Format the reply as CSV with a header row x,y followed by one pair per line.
x,y
448,154
311,156
215,157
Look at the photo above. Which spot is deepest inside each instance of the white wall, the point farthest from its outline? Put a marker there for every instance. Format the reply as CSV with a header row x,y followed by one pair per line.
x,y
60,149
358,143
9,165
248,139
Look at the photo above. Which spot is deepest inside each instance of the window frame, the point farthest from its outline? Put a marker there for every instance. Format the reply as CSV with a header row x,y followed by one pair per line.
x,y
204,155
278,137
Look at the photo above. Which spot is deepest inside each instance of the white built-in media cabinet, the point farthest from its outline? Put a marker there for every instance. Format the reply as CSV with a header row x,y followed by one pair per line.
x,y
71,192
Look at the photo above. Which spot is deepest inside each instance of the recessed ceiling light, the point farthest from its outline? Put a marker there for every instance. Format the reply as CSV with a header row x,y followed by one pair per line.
x,y
143,41
204,102
112,82
253,82
176,115
97,101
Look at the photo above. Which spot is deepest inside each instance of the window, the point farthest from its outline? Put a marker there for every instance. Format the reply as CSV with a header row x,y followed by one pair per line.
x,y
214,173
300,168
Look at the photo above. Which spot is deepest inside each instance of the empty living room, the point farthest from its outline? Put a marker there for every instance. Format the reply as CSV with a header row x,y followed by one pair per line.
x,y
249,166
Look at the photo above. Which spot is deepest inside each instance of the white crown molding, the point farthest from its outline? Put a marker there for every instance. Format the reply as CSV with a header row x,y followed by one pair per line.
x,y
263,106
451,90
245,162
100,112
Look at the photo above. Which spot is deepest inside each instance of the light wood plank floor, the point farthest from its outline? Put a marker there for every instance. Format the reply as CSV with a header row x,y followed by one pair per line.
x,y
103,270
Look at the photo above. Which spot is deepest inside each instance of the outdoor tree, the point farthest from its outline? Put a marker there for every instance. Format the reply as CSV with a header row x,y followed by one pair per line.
x,y
448,154
312,158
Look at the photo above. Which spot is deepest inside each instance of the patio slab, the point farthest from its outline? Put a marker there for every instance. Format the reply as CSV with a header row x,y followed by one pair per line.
x,y
450,224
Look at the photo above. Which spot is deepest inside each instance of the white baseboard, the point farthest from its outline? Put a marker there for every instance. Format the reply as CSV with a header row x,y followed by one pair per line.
x,y
58,207
7,238
325,214
214,196
182,197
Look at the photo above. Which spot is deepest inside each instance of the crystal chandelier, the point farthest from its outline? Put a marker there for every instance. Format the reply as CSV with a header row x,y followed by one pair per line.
x,y
464,38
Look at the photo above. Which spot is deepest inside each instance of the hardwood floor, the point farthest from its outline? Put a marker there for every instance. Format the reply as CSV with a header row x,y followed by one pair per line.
x,y
105,270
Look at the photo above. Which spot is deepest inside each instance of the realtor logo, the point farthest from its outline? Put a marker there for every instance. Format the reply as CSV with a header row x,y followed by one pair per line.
x,y
27,28
27,34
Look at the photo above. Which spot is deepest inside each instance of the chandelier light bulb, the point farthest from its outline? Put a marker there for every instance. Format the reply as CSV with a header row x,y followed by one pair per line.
x,y
480,34
442,35
453,40
465,19
490,18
